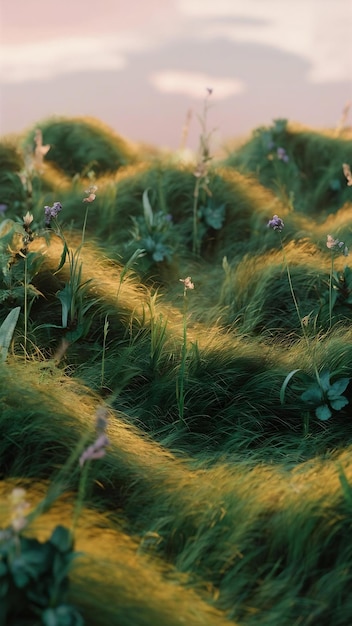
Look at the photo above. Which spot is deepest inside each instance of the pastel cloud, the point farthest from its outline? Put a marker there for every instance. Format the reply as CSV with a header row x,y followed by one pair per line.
x,y
47,59
317,31
194,84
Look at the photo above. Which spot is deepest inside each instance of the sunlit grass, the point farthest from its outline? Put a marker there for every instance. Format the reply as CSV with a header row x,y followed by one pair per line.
x,y
236,508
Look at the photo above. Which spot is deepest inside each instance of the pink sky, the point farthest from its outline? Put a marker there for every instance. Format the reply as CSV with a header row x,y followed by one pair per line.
x,y
141,65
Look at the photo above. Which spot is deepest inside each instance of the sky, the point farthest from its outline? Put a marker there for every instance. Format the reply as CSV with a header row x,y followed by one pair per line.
x,y
143,67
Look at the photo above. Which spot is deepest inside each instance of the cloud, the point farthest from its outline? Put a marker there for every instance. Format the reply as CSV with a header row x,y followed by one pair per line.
x,y
46,59
194,84
314,30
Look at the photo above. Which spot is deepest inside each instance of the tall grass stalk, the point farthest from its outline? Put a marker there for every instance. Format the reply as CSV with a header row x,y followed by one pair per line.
x,y
201,171
330,288
180,381
25,304
105,334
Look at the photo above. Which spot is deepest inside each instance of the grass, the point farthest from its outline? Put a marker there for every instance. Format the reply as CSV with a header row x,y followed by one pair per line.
x,y
239,512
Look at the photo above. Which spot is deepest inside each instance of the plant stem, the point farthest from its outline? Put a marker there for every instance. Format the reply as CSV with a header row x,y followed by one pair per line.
x,y
195,245
181,385
330,288
25,304
299,314
80,496
106,328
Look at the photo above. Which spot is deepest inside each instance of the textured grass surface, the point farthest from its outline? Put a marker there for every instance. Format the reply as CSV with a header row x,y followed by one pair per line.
x,y
238,513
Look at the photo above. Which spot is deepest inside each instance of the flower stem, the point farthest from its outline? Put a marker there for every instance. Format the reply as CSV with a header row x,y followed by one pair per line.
x,y
330,288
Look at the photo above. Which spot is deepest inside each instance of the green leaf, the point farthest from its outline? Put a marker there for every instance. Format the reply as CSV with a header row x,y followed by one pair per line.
x,y
63,258
323,412
63,615
61,538
6,332
148,211
324,378
338,403
338,387
65,297
286,381
312,395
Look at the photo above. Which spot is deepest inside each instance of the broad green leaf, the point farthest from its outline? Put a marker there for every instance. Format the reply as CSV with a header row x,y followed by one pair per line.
x,y
323,412
61,538
338,387
325,380
6,332
65,297
338,403
63,257
313,395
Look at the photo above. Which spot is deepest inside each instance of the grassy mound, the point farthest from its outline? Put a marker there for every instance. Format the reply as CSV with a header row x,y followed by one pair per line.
x,y
175,385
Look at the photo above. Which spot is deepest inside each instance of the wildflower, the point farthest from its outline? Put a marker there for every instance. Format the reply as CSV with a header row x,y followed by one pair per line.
x,y
27,220
51,212
95,451
3,208
40,151
187,283
19,506
276,223
91,194
101,418
282,155
336,245
347,172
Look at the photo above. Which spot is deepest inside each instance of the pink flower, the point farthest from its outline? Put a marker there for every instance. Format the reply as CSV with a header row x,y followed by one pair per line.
x,y
91,194
187,283
95,451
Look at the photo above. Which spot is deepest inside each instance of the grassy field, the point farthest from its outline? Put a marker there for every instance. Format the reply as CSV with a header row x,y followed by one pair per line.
x,y
175,389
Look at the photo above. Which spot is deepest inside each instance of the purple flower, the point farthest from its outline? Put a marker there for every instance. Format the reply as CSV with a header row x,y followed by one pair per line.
x,y
282,155
3,208
276,223
95,451
51,212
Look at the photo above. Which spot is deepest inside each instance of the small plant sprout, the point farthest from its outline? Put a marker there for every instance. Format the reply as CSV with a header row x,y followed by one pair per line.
x,y
153,232
73,295
326,396
320,389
